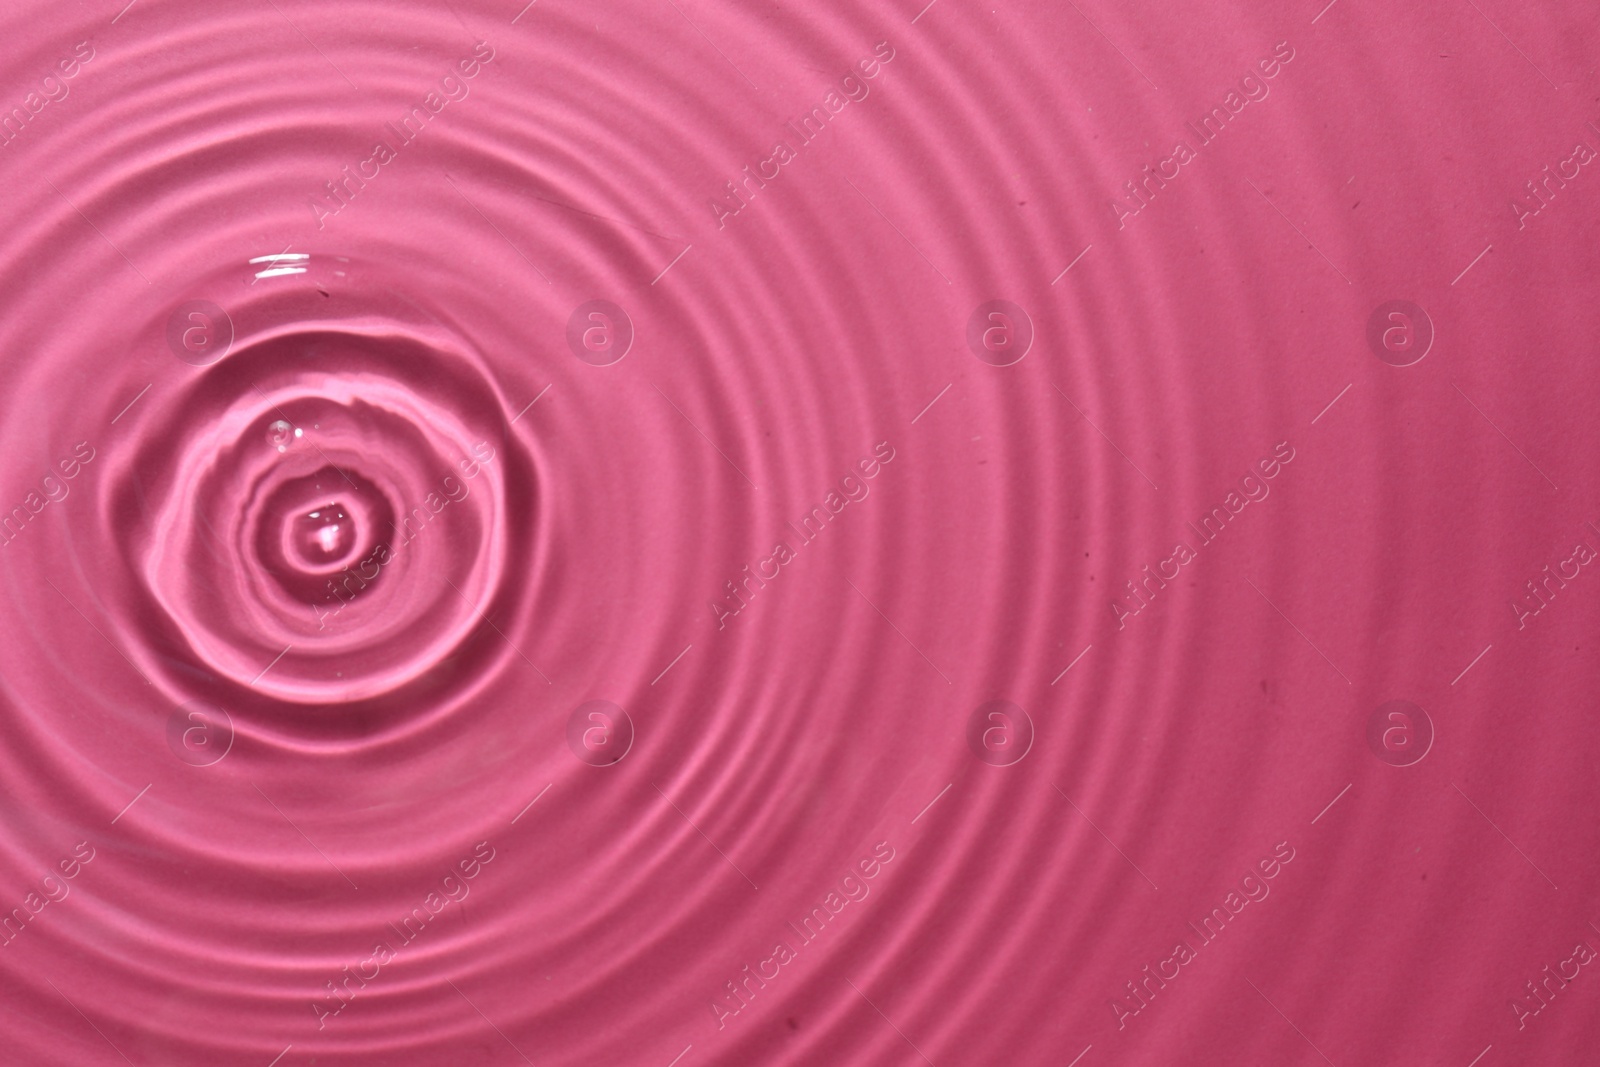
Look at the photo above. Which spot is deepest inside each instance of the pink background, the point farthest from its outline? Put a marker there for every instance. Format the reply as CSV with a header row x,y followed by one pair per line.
x,y
984,525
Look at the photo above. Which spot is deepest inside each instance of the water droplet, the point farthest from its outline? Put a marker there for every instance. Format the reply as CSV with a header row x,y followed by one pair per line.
x,y
279,435
324,534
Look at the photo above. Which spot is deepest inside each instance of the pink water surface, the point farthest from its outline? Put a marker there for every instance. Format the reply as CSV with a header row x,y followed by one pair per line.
x,y
674,533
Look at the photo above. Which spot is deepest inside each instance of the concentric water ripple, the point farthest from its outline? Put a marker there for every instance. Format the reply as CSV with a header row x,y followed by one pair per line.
x,y
685,534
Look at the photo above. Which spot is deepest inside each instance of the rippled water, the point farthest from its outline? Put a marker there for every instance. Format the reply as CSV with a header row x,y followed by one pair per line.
x,y
575,535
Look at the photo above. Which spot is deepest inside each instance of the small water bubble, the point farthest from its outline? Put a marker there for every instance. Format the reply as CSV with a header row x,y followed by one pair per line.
x,y
280,435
